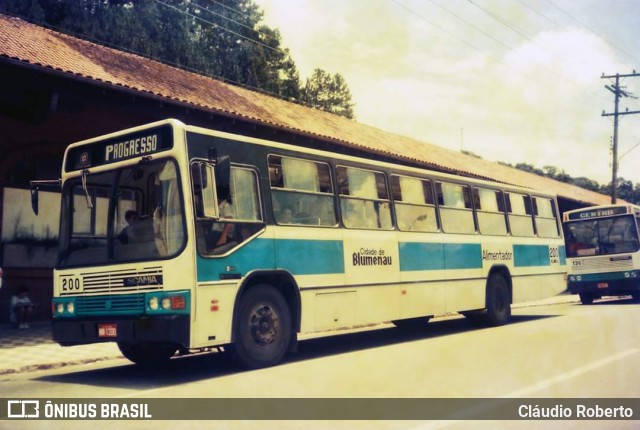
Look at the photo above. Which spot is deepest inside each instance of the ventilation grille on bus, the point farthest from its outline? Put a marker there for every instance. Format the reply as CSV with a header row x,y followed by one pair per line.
x,y
603,264
132,304
122,281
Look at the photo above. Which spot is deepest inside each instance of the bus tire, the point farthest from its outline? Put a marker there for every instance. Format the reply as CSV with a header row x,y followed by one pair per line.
x,y
263,328
498,300
147,353
586,298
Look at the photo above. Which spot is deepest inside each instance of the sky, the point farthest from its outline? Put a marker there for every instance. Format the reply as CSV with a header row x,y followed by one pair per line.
x,y
508,80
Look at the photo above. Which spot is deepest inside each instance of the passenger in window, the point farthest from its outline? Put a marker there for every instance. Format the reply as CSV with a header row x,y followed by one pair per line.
x,y
286,215
131,217
223,231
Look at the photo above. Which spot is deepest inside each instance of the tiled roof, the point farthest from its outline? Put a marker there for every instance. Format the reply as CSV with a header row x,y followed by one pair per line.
x,y
29,43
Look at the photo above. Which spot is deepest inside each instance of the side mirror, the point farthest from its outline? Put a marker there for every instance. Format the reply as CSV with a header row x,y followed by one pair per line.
x,y
35,187
223,177
34,199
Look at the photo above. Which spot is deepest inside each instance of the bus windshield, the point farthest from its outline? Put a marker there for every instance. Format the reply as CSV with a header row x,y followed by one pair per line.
x,y
129,214
602,236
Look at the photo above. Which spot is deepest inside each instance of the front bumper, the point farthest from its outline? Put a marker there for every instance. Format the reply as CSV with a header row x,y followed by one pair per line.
x,y
172,329
605,284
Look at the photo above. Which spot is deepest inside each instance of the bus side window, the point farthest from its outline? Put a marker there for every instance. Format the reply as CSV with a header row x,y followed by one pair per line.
x,y
520,214
414,203
364,200
302,192
237,221
455,208
544,210
490,211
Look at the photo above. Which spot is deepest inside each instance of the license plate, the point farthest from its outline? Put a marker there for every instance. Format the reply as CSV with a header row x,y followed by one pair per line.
x,y
603,285
107,330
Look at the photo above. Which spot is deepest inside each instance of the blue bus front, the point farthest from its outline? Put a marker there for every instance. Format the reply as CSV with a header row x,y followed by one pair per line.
x,y
603,256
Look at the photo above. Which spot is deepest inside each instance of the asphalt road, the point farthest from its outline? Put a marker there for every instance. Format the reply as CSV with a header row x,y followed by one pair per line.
x,y
552,351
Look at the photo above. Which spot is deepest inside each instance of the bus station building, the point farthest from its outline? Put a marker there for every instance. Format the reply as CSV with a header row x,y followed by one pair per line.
x,y
59,89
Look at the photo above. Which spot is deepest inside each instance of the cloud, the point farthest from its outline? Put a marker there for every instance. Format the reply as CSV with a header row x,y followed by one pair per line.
x,y
535,99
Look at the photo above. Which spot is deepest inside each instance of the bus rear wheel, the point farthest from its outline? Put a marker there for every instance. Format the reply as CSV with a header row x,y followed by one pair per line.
x,y
147,353
263,328
498,300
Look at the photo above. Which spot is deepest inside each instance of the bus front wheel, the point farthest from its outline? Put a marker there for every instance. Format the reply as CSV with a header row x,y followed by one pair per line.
x,y
263,328
586,298
147,353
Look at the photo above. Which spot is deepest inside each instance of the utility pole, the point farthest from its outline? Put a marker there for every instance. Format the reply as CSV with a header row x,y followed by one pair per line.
x,y
618,91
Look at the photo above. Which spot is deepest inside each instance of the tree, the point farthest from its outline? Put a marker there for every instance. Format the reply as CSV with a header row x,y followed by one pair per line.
x,y
328,93
530,168
470,154
219,38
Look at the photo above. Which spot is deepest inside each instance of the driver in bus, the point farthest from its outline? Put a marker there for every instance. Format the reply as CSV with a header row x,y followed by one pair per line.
x,y
131,217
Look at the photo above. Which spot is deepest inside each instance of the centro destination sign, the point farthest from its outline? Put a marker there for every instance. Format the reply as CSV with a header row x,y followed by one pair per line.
x,y
598,213
120,148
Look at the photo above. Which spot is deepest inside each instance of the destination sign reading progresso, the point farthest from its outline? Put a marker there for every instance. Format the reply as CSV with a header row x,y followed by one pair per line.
x,y
108,151
597,213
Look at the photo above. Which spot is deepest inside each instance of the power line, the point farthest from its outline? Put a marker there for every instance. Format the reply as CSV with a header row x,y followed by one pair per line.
x,y
244,15
471,25
232,20
221,27
592,31
551,72
501,20
512,27
413,12
619,92
537,12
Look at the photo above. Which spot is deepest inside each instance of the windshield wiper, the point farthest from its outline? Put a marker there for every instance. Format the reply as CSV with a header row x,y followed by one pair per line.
x,y
85,173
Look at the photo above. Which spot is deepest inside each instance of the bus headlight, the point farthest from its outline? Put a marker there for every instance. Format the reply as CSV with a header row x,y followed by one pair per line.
x,y
63,307
170,302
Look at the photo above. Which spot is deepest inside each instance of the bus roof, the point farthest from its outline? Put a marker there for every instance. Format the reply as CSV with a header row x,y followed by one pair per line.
x,y
101,151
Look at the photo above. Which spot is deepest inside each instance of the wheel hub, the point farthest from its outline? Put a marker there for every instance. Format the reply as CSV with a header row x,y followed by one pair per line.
x,y
265,325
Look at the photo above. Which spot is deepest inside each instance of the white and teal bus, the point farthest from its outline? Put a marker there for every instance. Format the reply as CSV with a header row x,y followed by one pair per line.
x,y
603,251
176,238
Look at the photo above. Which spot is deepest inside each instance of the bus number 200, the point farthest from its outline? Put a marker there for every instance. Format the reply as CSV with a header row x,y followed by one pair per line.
x,y
71,284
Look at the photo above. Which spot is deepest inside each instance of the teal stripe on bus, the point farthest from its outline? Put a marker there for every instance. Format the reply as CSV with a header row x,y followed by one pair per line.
x,y
531,255
298,256
438,256
256,255
563,255
321,257
310,257
609,276
462,256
